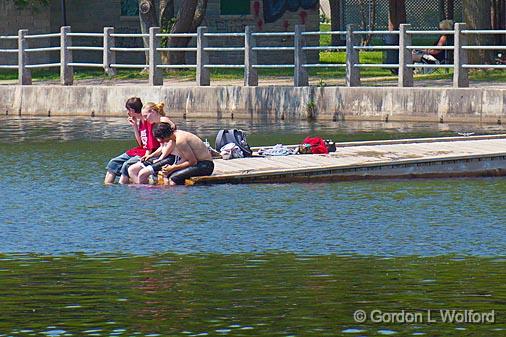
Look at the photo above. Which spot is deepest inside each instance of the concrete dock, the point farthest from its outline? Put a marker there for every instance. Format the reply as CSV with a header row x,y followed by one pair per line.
x,y
411,158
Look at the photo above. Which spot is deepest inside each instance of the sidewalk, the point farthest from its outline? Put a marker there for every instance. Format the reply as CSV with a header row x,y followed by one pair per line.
x,y
266,81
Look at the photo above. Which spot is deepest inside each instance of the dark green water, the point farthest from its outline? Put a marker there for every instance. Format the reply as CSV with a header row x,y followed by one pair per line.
x,y
78,258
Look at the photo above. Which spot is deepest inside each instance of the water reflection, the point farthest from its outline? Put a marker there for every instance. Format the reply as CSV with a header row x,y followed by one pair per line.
x,y
82,259
241,294
21,129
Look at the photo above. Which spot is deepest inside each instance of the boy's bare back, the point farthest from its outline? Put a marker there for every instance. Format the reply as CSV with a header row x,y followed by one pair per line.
x,y
186,141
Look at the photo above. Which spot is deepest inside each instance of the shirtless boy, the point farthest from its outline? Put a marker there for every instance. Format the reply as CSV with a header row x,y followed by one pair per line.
x,y
195,157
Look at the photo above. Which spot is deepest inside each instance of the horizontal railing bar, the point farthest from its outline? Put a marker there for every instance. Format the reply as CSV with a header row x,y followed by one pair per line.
x,y
430,32
273,66
323,65
376,47
484,31
129,35
224,66
273,48
46,65
373,32
33,50
325,48
483,47
424,65
224,49
274,34
8,37
9,50
114,65
9,66
485,66
176,35
223,34
431,47
129,49
84,48
175,66
42,36
374,65
177,49
325,33
91,65
86,34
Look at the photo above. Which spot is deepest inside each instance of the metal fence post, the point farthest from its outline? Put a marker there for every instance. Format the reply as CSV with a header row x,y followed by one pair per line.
x,y
352,58
109,56
24,74
250,58
66,71
405,57
155,59
460,74
203,78
300,77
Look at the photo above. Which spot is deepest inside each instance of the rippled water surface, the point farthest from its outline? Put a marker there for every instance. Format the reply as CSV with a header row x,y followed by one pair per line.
x,y
80,258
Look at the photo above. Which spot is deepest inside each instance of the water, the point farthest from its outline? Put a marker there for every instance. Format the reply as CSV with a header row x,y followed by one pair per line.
x,y
79,258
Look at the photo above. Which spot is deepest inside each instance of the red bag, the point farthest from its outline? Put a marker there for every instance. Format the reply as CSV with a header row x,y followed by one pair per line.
x,y
317,145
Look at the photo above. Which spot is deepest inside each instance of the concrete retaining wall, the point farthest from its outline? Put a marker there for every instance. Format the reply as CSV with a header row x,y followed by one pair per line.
x,y
487,105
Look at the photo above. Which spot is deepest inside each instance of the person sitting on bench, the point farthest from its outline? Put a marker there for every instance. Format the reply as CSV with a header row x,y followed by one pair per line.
x,y
440,55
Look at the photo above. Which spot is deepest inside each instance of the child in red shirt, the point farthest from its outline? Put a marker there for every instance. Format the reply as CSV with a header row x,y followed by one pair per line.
x,y
146,144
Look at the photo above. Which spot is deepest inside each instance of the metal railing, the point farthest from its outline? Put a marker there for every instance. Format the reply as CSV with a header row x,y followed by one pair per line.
x,y
250,50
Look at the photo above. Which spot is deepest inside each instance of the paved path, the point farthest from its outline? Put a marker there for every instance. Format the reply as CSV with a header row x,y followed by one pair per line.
x,y
270,81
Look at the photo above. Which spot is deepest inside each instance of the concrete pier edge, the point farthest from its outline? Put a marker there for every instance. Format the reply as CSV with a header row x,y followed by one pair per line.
x,y
482,105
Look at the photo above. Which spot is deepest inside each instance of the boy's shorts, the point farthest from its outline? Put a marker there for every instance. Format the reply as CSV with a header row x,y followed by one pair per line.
x,y
119,165
202,168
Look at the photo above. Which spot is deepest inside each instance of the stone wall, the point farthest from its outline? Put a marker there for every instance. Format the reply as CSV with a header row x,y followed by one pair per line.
x,y
476,105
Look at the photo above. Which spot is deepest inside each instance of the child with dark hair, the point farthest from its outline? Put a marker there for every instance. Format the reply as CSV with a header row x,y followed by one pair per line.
x,y
118,166
195,159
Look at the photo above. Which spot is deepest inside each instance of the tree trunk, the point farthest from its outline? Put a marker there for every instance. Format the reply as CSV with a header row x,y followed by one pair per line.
x,y
363,19
449,9
335,21
186,22
497,17
396,13
366,40
477,16
148,18
502,20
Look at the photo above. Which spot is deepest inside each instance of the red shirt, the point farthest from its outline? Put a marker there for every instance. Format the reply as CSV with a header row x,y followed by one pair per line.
x,y
148,141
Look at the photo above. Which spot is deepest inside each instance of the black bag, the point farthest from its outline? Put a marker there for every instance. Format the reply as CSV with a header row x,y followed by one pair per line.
x,y
235,136
331,146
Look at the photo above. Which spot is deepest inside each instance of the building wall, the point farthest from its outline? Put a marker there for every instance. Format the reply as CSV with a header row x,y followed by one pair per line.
x,y
93,15
12,19
86,16
263,20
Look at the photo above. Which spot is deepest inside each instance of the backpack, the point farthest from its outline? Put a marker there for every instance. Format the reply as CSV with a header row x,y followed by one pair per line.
x,y
235,136
315,145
